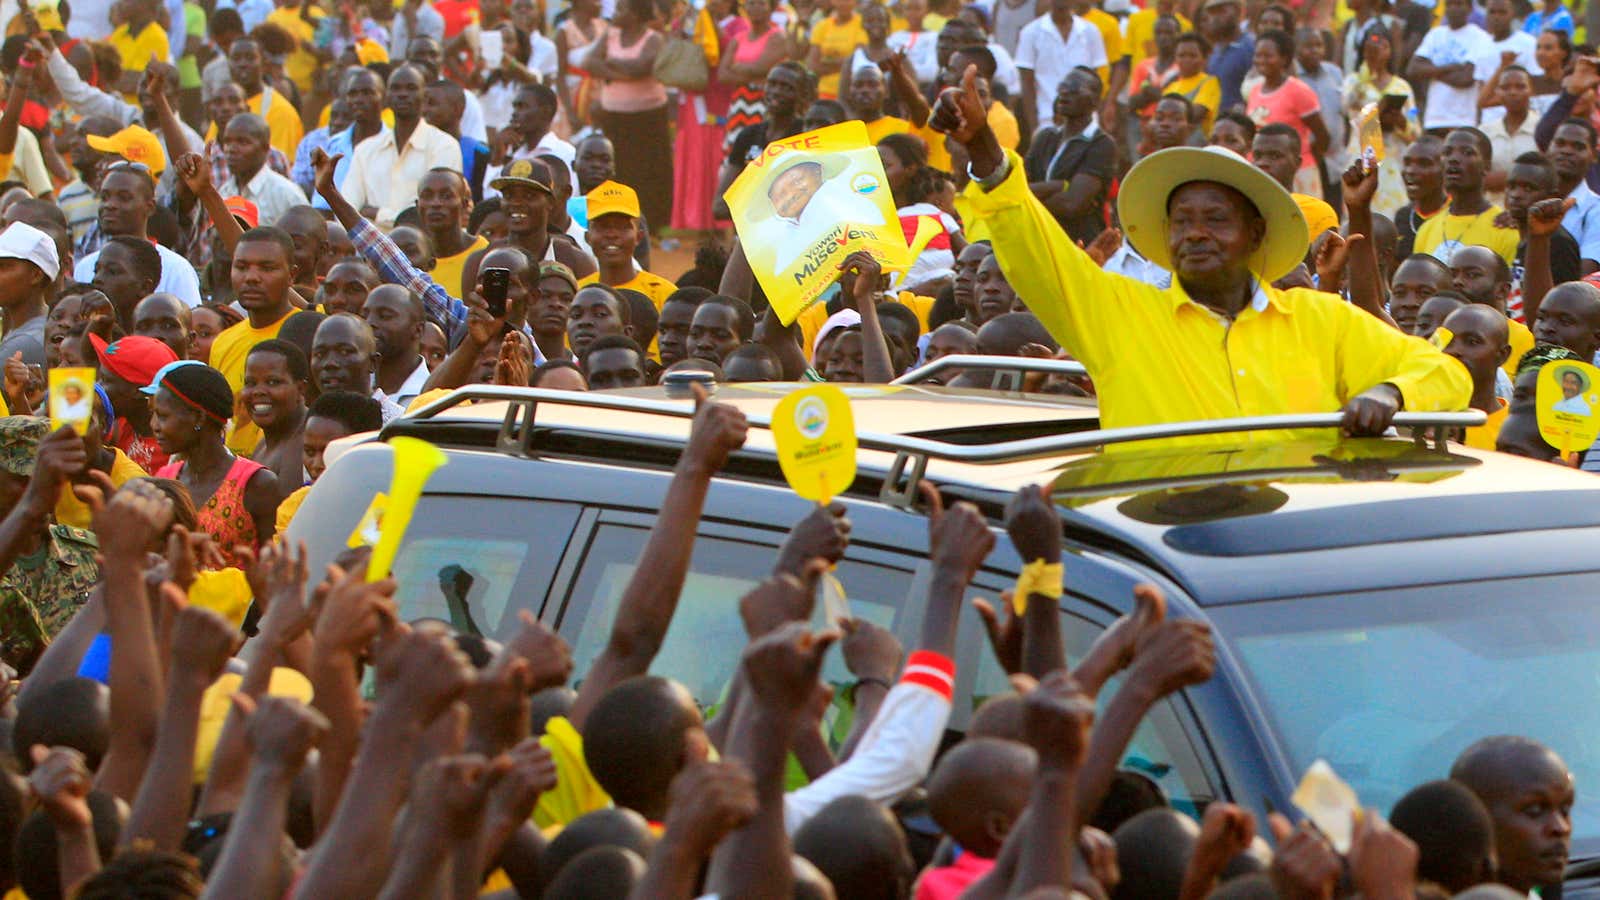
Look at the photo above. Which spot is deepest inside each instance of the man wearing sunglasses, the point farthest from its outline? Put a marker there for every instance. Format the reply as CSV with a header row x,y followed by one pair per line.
x,y
127,201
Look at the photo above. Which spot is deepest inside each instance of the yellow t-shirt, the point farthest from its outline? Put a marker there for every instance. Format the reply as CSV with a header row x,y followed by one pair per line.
x,y
1206,91
290,506
1446,233
1140,41
576,791
447,269
300,65
1111,35
1483,437
649,284
327,113
282,121
228,353
836,41
811,320
71,511
1521,341
883,126
1004,124
137,50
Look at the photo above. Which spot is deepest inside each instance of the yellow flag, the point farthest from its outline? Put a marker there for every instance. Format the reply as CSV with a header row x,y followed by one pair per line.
x,y
414,462
806,203
815,435
1569,405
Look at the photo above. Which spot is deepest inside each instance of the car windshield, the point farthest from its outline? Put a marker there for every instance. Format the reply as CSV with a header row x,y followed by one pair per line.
x,y
1389,687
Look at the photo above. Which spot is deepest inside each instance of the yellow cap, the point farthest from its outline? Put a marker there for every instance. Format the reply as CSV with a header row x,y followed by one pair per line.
x,y
225,592
48,13
218,699
611,197
134,144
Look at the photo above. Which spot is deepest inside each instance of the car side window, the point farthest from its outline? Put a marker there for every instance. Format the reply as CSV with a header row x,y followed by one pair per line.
x,y
706,637
1163,748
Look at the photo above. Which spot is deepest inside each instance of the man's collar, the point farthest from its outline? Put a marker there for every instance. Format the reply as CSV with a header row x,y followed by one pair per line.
x,y
1087,133
1261,297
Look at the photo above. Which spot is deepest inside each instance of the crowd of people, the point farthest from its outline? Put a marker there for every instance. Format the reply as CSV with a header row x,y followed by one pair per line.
x,y
270,226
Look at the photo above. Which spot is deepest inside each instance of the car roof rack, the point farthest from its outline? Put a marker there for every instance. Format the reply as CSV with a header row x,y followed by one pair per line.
x,y
912,452
1007,371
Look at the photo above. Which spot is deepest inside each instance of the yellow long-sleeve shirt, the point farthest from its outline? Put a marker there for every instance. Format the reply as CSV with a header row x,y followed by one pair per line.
x,y
1157,356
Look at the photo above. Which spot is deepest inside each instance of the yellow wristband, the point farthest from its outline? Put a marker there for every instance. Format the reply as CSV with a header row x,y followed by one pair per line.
x,y
1037,577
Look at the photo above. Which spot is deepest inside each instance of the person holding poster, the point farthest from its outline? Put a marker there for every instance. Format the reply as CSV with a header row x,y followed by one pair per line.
x,y
1242,347
807,202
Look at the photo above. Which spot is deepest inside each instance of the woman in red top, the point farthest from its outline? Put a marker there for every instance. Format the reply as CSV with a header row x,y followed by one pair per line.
x,y
236,499
1280,97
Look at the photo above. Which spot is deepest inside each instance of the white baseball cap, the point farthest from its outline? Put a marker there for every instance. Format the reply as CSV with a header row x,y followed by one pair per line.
x,y
23,241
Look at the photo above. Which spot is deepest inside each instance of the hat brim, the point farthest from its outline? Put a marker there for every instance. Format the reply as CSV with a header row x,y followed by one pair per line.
x,y
500,184
1142,206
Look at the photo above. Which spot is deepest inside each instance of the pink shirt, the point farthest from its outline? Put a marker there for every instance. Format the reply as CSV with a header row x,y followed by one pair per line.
x,y
630,95
947,882
1289,104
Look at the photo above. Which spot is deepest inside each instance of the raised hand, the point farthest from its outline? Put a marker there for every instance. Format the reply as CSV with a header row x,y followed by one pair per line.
x,y
1004,629
451,791
719,429
1383,862
278,580
781,667
1225,832
154,83
1360,183
194,173
823,534
1305,867
707,801
61,781
481,325
1177,654
281,730
1544,217
420,673
959,538
870,651
353,611
532,772
959,112
323,166
1055,721
1104,246
547,654
133,519
1034,525
515,362
202,642
1332,254
781,599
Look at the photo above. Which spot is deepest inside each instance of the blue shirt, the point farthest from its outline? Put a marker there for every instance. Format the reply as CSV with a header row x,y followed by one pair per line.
x,y
474,163
342,142
302,173
251,12
1560,20
1230,63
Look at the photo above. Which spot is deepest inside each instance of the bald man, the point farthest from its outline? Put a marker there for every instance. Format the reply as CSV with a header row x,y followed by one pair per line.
x,y
344,356
1529,793
396,318
245,143
165,318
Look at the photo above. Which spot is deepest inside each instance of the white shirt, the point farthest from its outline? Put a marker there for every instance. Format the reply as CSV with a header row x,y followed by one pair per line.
x,y
473,124
920,51
1582,221
385,176
1042,49
1005,68
413,384
177,275
1128,263
1453,107
272,194
1519,42
833,203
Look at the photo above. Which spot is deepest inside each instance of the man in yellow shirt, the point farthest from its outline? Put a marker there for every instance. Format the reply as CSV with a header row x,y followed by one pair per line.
x,y
1140,40
1221,341
1479,339
263,270
301,64
138,41
443,203
613,211
245,65
1470,217
867,92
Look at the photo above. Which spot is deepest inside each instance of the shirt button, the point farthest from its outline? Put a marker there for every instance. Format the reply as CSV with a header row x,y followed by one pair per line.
x,y
1241,373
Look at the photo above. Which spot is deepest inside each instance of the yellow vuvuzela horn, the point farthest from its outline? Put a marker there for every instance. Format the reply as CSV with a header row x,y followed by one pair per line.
x,y
414,462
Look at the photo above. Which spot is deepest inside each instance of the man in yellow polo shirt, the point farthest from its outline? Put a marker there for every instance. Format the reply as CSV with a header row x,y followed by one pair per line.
x,y
613,233
245,65
138,41
1221,341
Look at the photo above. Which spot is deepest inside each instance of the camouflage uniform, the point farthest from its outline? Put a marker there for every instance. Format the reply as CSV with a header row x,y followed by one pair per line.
x,y
42,590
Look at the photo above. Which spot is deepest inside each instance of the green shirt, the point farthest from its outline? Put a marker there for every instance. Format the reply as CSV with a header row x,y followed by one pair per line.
x,y
41,592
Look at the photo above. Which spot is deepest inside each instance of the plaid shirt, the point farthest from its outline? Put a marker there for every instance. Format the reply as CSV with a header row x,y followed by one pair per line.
x,y
394,268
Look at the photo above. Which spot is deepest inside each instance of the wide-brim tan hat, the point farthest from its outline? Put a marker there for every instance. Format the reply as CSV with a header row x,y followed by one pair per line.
x,y
1142,205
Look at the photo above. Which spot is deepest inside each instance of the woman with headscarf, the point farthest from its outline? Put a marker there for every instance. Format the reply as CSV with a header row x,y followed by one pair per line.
x,y
236,498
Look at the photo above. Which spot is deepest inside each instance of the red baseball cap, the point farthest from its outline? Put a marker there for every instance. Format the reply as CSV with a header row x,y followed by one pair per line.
x,y
246,212
135,358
